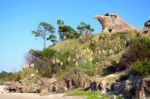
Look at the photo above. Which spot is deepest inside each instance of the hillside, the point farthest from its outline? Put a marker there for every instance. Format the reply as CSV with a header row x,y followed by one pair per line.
x,y
111,62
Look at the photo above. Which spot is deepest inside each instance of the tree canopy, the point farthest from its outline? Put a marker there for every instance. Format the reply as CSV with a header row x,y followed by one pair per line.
x,y
46,31
84,28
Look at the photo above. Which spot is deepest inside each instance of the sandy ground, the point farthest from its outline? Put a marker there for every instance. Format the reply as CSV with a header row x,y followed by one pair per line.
x,y
36,96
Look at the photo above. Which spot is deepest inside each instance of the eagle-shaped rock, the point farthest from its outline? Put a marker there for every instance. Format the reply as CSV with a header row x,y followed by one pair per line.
x,y
112,23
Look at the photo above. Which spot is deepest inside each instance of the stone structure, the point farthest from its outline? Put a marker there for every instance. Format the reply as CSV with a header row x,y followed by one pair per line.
x,y
112,23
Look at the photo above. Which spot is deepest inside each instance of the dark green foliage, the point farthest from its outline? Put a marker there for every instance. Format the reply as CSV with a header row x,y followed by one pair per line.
x,y
45,71
52,38
43,61
48,53
43,31
142,67
139,56
49,61
66,31
46,26
84,28
141,41
139,50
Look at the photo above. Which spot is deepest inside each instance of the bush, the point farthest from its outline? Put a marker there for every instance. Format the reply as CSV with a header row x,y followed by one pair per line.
x,y
45,71
140,49
142,67
43,61
28,72
138,56
46,53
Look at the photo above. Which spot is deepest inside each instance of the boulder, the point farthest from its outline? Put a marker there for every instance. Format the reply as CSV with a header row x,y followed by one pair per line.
x,y
15,87
127,87
143,89
129,90
117,88
61,86
45,86
113,23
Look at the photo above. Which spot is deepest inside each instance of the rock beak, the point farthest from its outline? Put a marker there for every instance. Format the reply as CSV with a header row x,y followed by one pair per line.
x,y
96,17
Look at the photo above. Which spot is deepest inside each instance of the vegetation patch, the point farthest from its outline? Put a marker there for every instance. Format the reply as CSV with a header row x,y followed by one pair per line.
x,y
92,95
142,67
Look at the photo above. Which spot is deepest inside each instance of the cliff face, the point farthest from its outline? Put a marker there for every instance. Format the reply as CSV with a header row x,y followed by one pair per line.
x,y
112,23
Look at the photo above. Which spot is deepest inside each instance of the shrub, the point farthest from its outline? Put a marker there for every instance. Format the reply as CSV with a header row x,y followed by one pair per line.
x,y
45,71
140,49
142,67
29,72
138,56
43,61
46,53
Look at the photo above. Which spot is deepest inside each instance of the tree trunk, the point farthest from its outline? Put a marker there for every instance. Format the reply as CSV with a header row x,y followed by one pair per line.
x,y
44,43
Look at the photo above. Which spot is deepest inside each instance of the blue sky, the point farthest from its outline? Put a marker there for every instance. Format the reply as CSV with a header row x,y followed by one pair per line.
x,y
19,17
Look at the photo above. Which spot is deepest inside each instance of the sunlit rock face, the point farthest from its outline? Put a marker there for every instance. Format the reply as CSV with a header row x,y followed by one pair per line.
x,y
112,23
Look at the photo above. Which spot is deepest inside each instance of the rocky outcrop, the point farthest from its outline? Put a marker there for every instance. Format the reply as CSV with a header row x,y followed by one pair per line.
x,y
45,86
112,23
15,87
134,87
143,89
126,87
146,29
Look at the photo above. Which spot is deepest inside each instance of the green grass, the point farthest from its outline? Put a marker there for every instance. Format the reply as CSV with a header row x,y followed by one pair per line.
x,y
93,97
84,93
91,94
87,94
